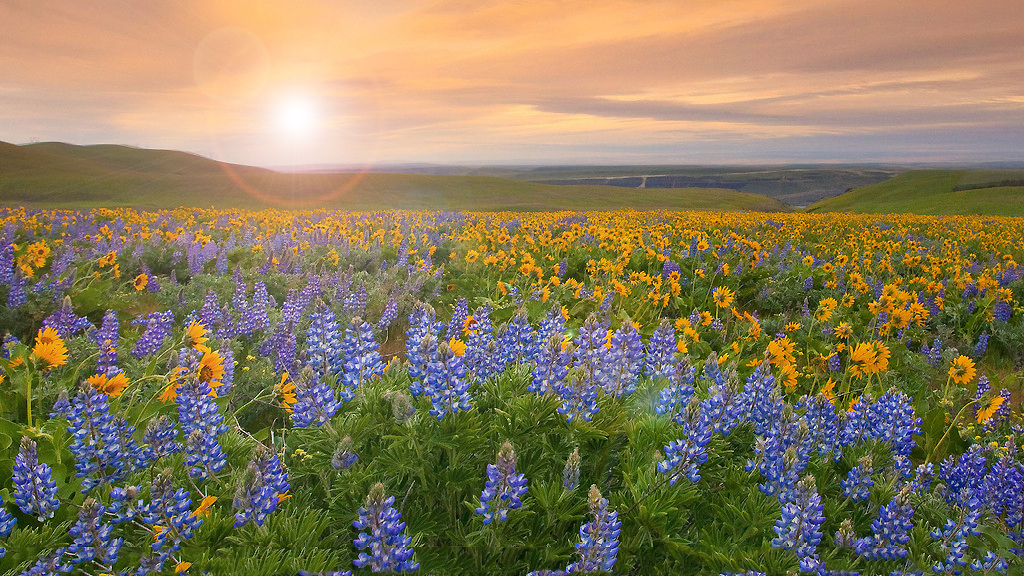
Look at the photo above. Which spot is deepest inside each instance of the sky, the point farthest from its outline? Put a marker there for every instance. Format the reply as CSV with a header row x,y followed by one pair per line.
x,y
275,83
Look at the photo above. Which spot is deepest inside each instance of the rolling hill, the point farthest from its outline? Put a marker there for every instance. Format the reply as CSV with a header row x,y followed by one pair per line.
x,y
990,192
58,175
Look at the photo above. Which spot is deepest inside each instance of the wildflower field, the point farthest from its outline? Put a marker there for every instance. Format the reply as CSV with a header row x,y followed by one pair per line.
x,y
230,392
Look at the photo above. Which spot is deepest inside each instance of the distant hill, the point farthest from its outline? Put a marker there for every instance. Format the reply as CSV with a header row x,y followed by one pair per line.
x,y
991,192
58,175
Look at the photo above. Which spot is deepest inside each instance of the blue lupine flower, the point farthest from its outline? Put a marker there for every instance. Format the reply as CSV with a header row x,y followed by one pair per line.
x,y
990,563
964,476
102,443
599,538
92,538
384,537
158,328
799,528
762,400
420,345
458,322
683,457
624,360
934,353
590,356
202,423
122,504
7,522
858,483
480,359
446,384
1003,311
674,398
660,359
1003,487
106,339
579,398
344,457
316,402
504,488
785,451
953,536
253,318
35,492
324,352
552,367
981,346
50,564
571,472
65,321
389,315
891,531
516,340
171,509
553,324
260,492
355,302
362,361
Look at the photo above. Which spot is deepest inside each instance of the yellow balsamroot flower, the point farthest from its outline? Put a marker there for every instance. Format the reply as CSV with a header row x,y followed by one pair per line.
x,y
781,351
211,368
723,297
286,389
843,330
50,348
140,282
862,360
204,507
196,333
986,414
787,376
458,347
792,326
182,567
962,370
112,387
826,390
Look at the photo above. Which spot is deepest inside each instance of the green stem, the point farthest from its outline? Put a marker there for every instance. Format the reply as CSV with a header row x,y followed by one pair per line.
x,y
949,429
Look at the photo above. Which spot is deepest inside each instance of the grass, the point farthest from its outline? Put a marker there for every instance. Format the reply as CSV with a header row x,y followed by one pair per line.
x,y
932,192
55,175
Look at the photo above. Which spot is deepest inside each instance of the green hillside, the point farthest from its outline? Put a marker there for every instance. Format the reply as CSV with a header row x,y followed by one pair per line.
x,y
55,175
991,192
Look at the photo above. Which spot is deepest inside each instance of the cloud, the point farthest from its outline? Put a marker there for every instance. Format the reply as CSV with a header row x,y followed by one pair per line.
x,y
450,80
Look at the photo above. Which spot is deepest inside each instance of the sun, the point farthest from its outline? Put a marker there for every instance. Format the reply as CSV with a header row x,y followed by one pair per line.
x,y
296,116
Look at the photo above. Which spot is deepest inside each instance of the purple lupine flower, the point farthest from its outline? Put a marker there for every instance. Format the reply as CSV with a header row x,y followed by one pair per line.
x,y
660,359
383,545
504,488
158,328
7,522
91,538
106,339
362,360
858,483
480,362
355,302
799,528
35,492
260,492
16,295
589,357
599,538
